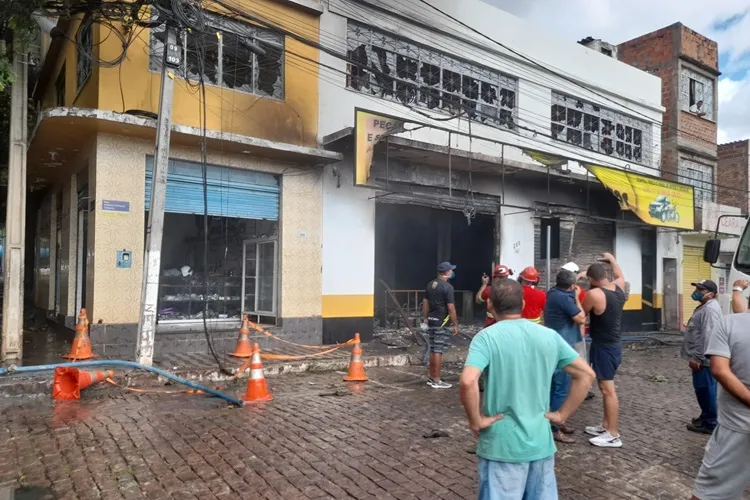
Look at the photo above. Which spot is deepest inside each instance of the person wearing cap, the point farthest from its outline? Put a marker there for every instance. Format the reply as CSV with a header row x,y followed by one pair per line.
x,y
700,327
483,295
438,307
533,298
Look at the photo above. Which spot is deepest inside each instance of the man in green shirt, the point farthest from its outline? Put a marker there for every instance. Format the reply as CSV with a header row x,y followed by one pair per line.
x,y
516,450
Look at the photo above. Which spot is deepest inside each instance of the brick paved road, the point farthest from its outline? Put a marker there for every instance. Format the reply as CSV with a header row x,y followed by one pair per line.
x,y
361,445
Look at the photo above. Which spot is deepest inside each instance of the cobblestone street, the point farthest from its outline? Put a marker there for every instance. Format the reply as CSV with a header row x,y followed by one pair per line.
x,y
320,438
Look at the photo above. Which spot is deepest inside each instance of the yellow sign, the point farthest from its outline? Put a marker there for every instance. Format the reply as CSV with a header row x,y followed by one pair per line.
x,y
545,159
370,128
655,201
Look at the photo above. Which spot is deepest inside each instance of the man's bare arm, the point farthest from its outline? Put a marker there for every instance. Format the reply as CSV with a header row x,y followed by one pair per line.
x,y
478,298
454,317
738,302
723,373
590,301
469,388
617,274
580,318
583,376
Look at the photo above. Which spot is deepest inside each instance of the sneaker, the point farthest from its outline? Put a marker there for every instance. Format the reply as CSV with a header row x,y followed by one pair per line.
x,y
606,440
439,384
595,430
700,428
430,382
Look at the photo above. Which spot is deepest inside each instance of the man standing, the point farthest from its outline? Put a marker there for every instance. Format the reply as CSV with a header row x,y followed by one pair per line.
x,y
564,314
605,302
725,472
534,299
483,295
581,347
516,450
438,306
700,327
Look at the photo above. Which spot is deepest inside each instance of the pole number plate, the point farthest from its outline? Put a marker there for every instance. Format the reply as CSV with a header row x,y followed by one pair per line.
x,y
174,55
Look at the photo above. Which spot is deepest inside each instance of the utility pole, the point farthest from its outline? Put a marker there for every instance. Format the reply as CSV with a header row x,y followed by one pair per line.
x,y
144,350
15,219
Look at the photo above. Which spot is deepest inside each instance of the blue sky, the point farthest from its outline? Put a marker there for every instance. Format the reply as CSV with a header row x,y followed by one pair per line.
x,y
726,21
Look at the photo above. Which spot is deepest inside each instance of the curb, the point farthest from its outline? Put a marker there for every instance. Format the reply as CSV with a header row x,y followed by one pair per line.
x,y
24,386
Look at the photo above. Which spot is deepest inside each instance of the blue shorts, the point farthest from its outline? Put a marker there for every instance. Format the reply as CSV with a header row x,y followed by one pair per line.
x,y
517,481
440,340
605,359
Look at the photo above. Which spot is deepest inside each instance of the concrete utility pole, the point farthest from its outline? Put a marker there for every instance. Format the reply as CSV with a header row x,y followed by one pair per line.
x,y
15,219
144,350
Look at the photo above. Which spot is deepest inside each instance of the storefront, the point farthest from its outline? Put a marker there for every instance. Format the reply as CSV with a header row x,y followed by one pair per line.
x,y
232,267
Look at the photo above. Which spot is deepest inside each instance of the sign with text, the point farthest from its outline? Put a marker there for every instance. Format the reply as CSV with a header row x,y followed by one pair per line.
x,y
727,225
655,201
115,206
370,129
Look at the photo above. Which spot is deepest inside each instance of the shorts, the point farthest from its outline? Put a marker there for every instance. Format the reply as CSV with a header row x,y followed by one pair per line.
x,y
605,359
517,481
439,340
724,473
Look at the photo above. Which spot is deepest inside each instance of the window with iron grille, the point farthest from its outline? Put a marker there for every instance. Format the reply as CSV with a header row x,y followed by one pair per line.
x,y
403,71
599,129
231,54
698,175
83,57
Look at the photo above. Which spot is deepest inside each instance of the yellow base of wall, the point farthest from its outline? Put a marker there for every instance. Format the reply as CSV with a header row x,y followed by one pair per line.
x,y
348,306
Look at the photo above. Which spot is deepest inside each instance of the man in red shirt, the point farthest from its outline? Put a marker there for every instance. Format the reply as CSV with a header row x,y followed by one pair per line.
x,y
534,299
483,295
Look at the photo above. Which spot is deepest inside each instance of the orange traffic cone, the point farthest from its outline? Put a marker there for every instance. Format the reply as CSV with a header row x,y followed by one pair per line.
x,y
257,390
244,348
69,382
81,348
356,367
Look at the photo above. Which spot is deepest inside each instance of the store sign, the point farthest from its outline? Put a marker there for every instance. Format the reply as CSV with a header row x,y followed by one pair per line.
x,y
655,201
728,225
546,159
370,129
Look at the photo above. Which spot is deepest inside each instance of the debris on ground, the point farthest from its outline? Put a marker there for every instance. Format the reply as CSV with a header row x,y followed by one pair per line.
x,y
436,434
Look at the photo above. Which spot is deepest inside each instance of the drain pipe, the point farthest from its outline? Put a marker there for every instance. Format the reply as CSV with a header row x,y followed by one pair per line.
x,y
128,364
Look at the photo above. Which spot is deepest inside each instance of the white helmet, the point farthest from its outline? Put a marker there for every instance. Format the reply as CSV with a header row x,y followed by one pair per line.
x,y
572,267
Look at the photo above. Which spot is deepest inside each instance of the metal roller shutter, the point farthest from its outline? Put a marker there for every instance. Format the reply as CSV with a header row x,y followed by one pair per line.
x,y
232,192
693,269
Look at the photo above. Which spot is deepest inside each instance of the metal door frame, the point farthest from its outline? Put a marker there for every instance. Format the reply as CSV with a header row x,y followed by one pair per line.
x,y
259,241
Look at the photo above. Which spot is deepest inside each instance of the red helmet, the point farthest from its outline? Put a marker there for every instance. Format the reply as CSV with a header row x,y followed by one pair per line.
x,y
501,271
530,274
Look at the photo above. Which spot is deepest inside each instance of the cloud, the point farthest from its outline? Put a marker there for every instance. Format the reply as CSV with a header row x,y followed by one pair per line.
x,y
727,22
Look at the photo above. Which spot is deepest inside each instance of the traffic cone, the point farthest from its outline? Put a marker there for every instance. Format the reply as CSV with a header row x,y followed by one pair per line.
x,y
356,367
81,348
69,382
244,348
257,389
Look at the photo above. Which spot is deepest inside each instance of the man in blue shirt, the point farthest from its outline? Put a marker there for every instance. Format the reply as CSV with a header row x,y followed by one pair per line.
x,y
565,315
516,450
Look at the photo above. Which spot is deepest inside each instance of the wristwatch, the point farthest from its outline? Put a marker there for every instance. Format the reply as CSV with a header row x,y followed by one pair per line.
x,y
738,289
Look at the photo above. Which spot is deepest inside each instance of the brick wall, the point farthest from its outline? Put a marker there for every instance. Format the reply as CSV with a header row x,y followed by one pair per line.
x,y
698,130
732,174
698,47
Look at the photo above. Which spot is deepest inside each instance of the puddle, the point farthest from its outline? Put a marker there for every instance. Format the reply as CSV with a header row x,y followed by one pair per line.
x,y
27,493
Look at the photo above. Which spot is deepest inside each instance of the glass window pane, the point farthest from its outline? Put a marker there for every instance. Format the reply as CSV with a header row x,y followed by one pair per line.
x,y
266,276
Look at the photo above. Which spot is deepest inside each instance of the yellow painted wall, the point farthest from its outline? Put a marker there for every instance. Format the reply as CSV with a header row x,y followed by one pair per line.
x,y
293,120
88,95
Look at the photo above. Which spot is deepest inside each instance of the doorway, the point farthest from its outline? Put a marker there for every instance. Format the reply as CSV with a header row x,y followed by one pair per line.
x,y
671,294
259,278
82,245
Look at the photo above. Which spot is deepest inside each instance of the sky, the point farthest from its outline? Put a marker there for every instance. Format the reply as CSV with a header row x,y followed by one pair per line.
x,y
725,21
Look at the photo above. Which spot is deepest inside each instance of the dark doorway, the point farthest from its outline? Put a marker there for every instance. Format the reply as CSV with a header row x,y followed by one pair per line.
x,y
411,240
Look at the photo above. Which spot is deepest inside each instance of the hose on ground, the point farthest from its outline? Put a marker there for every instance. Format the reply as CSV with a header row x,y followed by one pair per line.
x,y
128,364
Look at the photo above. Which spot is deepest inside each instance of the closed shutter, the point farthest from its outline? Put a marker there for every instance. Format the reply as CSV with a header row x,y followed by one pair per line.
x,y
693,269
232,192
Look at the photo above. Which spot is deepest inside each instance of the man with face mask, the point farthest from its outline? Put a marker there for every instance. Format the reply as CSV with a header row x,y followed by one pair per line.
x,y
701,326
439,306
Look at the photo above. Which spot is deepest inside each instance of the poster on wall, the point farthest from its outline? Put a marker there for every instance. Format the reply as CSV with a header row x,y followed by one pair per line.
x,y
655,201
370,129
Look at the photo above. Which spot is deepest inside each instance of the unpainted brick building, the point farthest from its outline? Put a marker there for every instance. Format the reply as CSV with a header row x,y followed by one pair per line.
x,y
732,174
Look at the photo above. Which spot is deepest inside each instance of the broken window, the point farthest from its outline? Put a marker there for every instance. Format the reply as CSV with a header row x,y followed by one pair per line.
x,y
60,88
700,176
400,70
85,53
584,124
230,54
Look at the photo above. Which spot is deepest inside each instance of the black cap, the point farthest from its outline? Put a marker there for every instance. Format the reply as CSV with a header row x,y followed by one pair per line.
x,y
706,285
